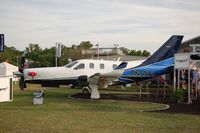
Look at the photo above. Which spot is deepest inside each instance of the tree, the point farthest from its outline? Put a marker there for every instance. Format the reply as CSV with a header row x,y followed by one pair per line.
x,y
47,57
74,46
33,48
132,52
33,51
11,55
39,57
139,53
85,45
145,53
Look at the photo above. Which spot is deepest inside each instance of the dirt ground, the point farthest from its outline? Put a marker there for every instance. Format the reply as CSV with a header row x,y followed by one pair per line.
x,y
193,108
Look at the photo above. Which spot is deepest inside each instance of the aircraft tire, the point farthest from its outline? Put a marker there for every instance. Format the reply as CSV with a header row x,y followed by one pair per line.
x,y
86,91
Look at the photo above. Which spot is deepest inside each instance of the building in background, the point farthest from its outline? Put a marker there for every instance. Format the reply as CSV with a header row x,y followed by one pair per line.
x,y
185,46
102,51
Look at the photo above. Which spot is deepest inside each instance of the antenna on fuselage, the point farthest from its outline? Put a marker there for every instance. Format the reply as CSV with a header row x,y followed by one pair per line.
x,y
118,58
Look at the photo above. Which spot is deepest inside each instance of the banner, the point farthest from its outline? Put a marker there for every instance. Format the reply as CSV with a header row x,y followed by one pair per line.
x,y
6,89
58,49
1,42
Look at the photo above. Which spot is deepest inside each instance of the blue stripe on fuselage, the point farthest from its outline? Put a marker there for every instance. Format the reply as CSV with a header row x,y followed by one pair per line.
x,y
152,70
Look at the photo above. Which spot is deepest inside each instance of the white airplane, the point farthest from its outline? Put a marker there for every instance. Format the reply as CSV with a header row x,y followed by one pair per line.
x,y
77,73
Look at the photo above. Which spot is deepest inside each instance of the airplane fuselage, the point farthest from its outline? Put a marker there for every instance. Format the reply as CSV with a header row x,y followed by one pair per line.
x,y
74,73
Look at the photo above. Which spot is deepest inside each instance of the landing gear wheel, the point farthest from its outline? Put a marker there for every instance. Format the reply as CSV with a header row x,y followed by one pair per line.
x,y
86,90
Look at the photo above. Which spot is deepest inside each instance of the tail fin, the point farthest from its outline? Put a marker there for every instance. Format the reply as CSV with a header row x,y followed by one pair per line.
x,y
121,66
167,50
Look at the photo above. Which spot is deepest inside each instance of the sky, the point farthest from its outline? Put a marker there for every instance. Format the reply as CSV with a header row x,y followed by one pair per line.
x,y
134,24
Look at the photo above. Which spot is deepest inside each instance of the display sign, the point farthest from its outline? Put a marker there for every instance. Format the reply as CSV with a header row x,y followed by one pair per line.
x,y
195,48
1,42
182,61
6,91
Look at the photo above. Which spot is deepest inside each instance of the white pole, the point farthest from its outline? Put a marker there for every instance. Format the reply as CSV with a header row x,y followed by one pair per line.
x,y
56,55
196,86
17,60
56,61
178,79
174,80
98,50
189,98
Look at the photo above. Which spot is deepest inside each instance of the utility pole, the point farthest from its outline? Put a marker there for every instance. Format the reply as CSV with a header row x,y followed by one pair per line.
x,y
107,54
97,50
17,60
56,54
116,45
117,49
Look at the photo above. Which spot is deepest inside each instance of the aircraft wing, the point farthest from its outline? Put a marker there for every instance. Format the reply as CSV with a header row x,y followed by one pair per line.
x,y
100,80
94,79
106,79
111,78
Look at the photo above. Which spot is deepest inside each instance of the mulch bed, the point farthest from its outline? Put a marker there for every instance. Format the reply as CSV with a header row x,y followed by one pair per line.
x,y
193,108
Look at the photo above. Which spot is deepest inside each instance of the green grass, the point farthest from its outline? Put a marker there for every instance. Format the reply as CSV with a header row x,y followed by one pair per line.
x,y
59,113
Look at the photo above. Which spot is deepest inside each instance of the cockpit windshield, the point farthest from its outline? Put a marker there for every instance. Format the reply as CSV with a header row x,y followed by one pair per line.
x,y
71,64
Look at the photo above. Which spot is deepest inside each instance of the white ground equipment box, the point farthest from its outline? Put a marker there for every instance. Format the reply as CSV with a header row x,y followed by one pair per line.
x,y
38,100
38,97
6,88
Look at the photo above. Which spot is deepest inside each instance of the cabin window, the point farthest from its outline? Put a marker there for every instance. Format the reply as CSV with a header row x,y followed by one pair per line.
x,y
80,66
71,64
102,66
91,65
114,66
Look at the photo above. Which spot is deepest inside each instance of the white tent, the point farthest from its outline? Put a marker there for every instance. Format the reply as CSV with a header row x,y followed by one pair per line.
x,y
7,69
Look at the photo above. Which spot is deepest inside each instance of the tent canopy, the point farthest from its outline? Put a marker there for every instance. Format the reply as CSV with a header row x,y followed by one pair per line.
x,y
7,69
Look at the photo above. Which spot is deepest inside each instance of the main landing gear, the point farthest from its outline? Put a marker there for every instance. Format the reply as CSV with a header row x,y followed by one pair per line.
x,y
93,90
86,90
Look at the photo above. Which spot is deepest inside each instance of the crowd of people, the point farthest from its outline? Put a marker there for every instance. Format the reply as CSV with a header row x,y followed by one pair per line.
x,y
194,79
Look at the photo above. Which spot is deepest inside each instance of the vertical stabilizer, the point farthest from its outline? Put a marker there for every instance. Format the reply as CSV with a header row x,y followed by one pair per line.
x,y
167,50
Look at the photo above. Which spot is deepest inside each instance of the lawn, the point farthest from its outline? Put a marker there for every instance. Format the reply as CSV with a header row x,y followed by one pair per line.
x,y
59,113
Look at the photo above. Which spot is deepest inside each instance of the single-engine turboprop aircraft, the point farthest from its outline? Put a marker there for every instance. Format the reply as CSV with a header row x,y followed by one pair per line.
x,y
91,73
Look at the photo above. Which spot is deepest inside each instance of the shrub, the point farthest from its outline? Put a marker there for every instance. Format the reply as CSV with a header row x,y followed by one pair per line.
x,y
178,96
